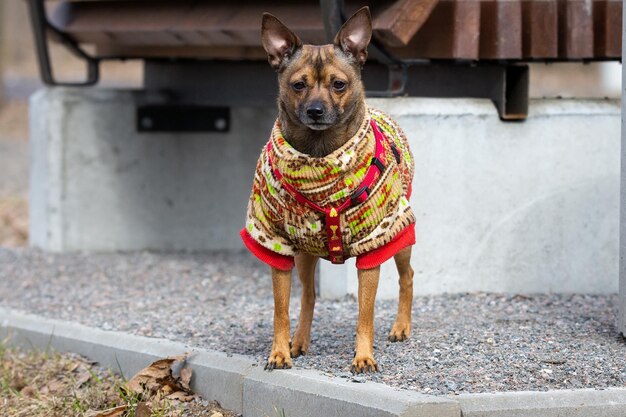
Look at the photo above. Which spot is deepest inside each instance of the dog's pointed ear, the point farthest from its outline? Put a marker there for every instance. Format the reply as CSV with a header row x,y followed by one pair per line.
x,y
355,35
278,41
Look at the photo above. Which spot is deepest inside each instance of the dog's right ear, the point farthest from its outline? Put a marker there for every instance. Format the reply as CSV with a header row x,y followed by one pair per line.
x,y
279,42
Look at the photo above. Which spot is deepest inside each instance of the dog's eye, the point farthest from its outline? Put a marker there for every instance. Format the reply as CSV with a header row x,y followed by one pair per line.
x,y
339,85
298,86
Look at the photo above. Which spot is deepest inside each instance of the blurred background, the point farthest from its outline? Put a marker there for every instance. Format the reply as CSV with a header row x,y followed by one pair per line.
x,y
19,76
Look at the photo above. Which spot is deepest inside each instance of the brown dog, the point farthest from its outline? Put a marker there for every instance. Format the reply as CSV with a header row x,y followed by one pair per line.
x,y
321,106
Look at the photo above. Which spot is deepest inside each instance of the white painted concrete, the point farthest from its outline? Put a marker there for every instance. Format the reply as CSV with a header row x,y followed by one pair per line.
x,y
521,207
575,80
99,185
508,207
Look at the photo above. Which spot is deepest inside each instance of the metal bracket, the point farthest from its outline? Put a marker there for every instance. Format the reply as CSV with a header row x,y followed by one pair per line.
x,y
41,26
182,118
512,97
333,16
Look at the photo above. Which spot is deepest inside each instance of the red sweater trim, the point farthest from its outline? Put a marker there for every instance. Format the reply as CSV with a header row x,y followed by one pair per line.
x,y
276,260
366,261
376,257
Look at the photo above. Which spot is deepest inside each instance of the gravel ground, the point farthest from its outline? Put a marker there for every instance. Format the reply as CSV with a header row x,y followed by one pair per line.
x,y
460,343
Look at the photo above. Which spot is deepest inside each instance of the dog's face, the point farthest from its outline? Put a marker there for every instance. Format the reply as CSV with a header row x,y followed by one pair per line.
x,y
319,86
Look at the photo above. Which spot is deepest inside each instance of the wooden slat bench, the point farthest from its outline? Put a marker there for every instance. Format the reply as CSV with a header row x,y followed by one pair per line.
x,y
407,33
431,29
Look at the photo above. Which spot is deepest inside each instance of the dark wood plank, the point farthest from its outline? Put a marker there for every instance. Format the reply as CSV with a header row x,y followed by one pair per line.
x,y
539,29
398,23
575,29
607,24
201,52
613,31
501,29
220,23
435,37
466,40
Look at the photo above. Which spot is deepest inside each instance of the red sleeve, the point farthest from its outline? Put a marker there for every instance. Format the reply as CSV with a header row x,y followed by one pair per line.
x,y
376,257
273,259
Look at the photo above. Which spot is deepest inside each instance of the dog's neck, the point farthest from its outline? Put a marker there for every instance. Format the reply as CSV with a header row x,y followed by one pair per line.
x,y
319,143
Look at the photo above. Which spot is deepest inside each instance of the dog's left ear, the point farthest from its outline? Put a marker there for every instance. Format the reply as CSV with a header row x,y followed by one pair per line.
x,y
355,35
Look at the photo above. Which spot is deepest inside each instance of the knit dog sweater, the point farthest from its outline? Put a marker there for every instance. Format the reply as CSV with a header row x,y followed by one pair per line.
x,y
278,226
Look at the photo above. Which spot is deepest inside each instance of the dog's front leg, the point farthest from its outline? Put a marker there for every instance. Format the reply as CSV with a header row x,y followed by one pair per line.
x,y
305,265
280,357
364,355
402,327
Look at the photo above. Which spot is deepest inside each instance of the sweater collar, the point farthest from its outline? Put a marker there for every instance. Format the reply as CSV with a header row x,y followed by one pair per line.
x,y
330,178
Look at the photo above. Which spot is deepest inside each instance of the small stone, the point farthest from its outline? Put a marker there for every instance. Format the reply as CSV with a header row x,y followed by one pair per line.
x,y
217,414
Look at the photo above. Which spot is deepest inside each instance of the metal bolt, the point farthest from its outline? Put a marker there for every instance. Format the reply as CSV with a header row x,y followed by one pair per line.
x,y
220,123
146,122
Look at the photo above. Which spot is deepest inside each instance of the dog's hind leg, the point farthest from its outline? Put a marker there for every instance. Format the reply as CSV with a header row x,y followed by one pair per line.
x,y
364,355
402,327
280,357
305,264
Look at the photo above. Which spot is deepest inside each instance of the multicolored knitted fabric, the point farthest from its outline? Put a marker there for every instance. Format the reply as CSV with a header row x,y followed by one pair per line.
x,y
281,225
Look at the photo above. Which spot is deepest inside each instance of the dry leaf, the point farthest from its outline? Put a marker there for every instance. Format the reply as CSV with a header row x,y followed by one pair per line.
x,y
146,379
111,412
55,386
158,380
82,378
180,396
143,410
185,377
28,391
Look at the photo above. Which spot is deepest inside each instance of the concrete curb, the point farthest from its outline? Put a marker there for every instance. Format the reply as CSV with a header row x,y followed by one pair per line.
x,y
239,384
235,381
609,402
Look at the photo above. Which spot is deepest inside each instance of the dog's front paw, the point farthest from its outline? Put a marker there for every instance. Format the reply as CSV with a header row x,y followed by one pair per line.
x,y
278,360
363,363
399,332
299,345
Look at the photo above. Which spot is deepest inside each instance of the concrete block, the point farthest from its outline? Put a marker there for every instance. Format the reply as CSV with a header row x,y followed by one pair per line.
x,y
216,375
609,402
305,393
99,185
521,207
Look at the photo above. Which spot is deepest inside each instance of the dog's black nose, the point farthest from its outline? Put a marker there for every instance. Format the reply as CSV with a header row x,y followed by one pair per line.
x,y
315,111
